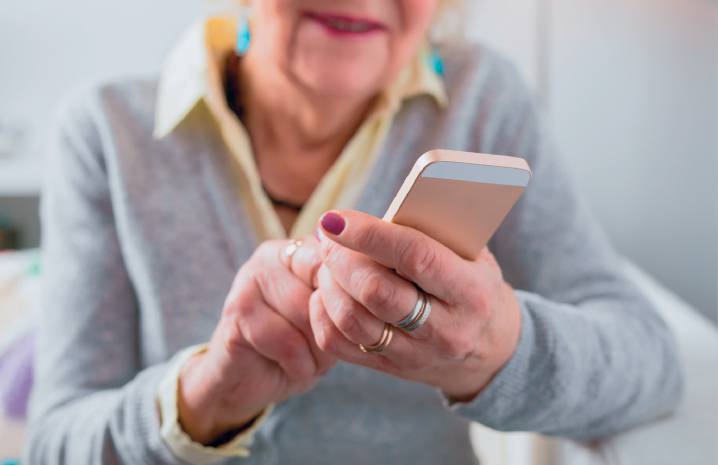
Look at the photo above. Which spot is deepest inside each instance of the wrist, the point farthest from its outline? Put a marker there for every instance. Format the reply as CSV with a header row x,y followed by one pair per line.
x,y
497,347
467,389
202,411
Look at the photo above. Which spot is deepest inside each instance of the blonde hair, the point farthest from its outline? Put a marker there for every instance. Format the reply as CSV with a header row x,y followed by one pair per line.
x,y
448,21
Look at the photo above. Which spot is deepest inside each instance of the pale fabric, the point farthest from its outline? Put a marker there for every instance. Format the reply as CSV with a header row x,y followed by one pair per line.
x,y
176,439
193,73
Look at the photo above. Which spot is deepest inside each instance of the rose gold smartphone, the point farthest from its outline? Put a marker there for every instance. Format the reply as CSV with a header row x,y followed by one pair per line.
x,y
459,198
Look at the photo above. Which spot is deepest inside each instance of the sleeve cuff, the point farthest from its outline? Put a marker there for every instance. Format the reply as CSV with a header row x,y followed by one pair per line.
x,y
503,400
176,439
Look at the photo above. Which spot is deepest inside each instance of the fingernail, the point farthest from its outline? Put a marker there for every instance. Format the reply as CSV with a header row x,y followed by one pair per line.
x,y
318,233
332,223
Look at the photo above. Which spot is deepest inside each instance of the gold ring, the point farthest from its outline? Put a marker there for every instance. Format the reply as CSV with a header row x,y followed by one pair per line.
x,y
289,251
383,342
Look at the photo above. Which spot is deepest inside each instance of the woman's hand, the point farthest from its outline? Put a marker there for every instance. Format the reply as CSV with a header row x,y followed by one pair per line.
x,y
474,325
262,350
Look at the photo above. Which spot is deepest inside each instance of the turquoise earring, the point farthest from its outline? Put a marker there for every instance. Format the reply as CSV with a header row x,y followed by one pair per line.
x,y
243,35
435,60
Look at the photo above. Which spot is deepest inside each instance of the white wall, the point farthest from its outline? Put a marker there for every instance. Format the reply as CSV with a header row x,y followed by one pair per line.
x,y
630,89
48,47
633,102
629,85
511,27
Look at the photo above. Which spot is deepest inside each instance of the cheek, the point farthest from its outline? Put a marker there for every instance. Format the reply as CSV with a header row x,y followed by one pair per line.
x,y
274,27
418,13
416,16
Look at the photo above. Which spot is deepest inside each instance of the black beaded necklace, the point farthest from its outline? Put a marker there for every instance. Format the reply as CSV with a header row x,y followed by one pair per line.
x,y
234,102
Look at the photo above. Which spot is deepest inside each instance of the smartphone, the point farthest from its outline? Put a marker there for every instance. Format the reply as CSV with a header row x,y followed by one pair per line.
x,y
459,198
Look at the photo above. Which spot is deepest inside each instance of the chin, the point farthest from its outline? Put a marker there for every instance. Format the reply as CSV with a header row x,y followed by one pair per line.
x,y
339,77
341,67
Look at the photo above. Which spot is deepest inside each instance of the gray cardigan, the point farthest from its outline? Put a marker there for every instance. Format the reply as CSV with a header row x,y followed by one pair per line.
x,y
142,239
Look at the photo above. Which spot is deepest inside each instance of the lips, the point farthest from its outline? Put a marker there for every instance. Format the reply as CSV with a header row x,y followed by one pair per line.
x,y
345,25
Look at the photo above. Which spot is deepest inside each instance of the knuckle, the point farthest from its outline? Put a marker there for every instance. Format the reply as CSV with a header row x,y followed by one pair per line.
x,y
230,337
367,239
481,303
289,345
244,309
325,341
456,345
256,340
420,258
375,292
238,305
346,319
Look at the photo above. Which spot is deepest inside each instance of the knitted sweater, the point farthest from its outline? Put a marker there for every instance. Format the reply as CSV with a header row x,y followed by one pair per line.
x,y
142,238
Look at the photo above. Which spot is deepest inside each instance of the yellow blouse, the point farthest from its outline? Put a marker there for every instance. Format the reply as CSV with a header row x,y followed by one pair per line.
x,y
191,76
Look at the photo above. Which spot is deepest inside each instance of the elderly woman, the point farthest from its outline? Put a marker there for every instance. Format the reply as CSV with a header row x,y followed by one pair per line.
x,y
168,219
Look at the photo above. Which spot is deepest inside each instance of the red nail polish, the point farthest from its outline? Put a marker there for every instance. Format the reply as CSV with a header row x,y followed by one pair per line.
x,y
332,223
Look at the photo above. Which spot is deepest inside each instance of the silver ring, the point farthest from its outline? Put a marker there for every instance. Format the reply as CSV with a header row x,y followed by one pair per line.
x,y
414,312
424,315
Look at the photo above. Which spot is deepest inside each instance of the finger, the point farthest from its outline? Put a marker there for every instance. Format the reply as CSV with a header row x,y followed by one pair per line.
x,y
354,321
290,299
388,296
273,337
331,340
280,288
305,261
349,314
405,357
414,255
288,296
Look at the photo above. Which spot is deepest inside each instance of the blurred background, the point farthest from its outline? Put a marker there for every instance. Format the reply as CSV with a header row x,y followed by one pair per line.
x,y
629,88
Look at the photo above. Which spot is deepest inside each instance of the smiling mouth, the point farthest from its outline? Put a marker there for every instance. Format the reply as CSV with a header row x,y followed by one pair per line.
x,y
345,24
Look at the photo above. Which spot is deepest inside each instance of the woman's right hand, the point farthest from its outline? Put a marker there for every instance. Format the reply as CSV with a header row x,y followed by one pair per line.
x,y
262,350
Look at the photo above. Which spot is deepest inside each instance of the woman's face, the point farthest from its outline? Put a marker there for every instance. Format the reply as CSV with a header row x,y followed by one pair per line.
x,y
340,48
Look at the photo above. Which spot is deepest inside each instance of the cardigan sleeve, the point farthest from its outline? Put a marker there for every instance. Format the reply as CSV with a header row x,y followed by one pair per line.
x,y
594,358
92,401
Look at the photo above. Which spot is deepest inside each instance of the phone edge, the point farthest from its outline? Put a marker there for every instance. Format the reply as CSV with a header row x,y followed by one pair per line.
x,y
437,155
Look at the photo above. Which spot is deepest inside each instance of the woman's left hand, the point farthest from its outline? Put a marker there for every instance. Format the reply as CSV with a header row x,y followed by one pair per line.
x,y
365,281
